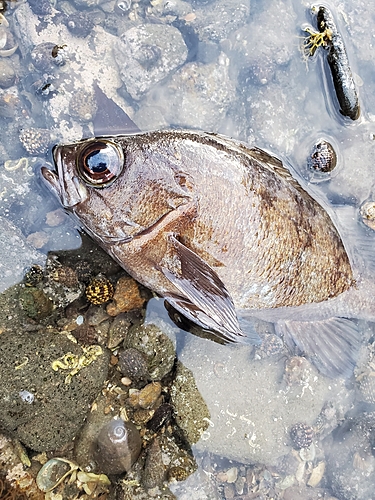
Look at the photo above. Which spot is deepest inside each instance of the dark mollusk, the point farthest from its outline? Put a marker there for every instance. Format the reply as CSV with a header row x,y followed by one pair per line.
x,y
41,7
339,64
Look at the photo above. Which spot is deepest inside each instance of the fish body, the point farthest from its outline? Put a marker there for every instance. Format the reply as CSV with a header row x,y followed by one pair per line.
x,y
206,222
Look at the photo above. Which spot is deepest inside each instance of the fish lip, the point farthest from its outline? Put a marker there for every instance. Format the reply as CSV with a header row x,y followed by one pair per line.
x,y
51,180
67,186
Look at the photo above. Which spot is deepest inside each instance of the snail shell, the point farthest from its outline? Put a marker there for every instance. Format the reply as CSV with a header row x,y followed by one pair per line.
x,y
323,157
118,446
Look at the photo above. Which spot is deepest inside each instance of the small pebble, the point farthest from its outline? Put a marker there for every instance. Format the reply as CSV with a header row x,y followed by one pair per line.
x,y
126,297
7,74
146,397
126,381
80,24
38,239
133,364
55,218
83,105
367,212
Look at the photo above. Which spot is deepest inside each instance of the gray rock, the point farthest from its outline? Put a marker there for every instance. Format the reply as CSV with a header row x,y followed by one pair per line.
x,y
197,95
251,406
87,60
191,412
158,349
350,461
216,24
7,74
16,255
40,406
147,54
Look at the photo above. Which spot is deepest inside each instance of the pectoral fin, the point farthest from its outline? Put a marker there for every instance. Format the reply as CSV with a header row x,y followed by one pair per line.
x,y
331,344
203,297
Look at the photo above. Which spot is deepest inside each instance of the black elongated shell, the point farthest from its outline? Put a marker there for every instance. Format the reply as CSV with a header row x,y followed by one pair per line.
x,y
118,446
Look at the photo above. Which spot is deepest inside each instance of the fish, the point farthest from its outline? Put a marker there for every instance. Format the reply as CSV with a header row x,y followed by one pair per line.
x,y
223,232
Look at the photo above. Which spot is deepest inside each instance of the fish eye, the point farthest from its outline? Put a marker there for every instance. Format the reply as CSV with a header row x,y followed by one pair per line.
x,y
99,163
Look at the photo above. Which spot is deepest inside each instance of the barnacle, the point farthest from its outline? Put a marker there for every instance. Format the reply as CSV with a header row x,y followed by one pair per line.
x,y
75,363
314,40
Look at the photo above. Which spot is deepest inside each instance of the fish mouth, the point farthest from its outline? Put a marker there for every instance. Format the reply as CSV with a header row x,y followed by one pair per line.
x,y
62,181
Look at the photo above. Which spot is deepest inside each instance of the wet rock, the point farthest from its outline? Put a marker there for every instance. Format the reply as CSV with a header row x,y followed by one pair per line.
x,y
126,297
350,461
146,397
118,330
133,364
35,303
7,74
154,470
20,482
184,98
44,407
250,403
83,105
277,45
80,24
180,464
146,54
218,23
16,253
155,345
85,445
86,63
191,412
47,56
41,7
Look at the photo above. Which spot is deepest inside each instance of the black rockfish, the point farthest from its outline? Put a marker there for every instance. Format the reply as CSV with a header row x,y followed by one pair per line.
x,y
221,231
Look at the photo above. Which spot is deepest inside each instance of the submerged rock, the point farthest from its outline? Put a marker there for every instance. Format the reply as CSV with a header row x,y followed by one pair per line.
x,y
155,345
148,53
252,407
191,412
16,253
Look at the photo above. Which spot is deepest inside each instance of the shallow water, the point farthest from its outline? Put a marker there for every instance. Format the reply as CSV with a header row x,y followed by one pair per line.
x,y
232,67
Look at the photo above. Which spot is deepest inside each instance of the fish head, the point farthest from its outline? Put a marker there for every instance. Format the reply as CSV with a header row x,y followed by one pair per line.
x,y
117,187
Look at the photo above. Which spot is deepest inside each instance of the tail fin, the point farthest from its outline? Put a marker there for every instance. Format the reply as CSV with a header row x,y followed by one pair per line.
x,y
331,344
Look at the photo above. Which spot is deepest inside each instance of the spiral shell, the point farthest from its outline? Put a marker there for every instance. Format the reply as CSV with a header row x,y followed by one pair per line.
x,y
118,446
302,435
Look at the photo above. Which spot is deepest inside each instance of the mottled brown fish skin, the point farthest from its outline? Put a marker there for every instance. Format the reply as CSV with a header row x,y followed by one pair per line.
x,y
239,209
